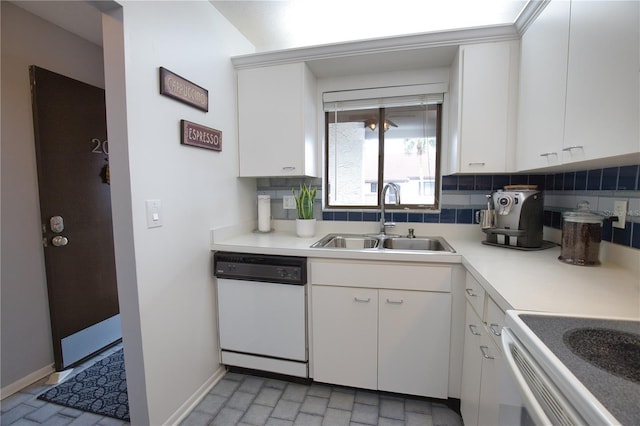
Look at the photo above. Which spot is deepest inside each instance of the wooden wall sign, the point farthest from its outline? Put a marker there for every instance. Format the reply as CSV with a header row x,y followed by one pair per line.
x,y
203,137
178,88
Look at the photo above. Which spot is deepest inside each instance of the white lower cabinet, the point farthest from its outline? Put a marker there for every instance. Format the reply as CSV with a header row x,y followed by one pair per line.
x,y
345,336
488,407
388,339
413,342
392,340
481,364
471,368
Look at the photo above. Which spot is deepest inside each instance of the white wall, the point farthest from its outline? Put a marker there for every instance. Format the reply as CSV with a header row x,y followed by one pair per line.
x,y
28,40
164,274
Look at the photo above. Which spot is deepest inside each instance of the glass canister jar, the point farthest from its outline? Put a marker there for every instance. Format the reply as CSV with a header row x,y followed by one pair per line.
x,y
581,235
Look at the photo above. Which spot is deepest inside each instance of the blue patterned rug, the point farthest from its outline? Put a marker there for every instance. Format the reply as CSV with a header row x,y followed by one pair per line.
x,y
100,389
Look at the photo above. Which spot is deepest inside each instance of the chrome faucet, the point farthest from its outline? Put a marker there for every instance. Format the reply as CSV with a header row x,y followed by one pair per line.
x,y
383,223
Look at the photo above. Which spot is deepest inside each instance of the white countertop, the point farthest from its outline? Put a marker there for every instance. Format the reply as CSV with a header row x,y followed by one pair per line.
x,y
515,279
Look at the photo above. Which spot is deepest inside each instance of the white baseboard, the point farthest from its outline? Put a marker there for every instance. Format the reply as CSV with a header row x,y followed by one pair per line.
x,y
58,377
22,383
192,402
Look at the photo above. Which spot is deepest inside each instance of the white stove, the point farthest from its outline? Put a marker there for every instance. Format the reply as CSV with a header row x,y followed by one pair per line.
x,y
574,370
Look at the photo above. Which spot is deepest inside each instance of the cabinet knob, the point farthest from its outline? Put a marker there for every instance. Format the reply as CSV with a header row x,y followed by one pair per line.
x,y
495,329
485,352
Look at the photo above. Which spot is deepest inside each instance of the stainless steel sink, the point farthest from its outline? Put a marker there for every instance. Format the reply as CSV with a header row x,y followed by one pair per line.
x,y
380,242
417,243
347,241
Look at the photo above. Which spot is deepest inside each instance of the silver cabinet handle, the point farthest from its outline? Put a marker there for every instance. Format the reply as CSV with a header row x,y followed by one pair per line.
x,y
477,163
362,300
288,168
59,241
474,330
546,154
495,329
395,302
485,352
572,147
471,293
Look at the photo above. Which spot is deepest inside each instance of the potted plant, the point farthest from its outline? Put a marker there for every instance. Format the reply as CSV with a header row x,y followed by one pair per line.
x,y
305,223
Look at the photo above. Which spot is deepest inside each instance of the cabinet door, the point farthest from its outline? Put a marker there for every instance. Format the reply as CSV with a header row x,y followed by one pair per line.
x,y
471,367
276,124
413,342
489,403
543,82
488,93
603,85
345,336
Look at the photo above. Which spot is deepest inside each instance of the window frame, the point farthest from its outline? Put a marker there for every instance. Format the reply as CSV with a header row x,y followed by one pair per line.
x,y
380,181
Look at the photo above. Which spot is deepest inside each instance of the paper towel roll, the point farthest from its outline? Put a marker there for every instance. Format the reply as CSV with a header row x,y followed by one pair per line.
x,y
264,213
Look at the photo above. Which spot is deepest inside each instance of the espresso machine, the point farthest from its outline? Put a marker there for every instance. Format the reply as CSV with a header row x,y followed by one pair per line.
x,y
514,219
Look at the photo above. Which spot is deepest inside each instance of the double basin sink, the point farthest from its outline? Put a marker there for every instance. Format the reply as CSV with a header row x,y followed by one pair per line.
x,y
383,241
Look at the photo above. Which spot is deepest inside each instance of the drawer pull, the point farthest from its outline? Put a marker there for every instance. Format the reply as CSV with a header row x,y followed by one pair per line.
x,y
477,163
362,300
571,148
395,302
288,168
546,154
485,352
495,329
471,293
474,330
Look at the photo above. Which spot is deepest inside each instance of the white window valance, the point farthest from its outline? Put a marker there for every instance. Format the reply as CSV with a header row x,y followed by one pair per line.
x,y
382,97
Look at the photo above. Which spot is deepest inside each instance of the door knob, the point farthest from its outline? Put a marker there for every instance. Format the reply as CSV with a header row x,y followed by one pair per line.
x,y
59,241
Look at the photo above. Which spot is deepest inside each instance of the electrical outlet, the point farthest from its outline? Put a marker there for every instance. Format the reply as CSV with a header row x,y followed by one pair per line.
x,y
620,210
288,202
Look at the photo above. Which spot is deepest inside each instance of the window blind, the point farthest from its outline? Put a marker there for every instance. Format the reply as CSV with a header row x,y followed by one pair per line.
x,y
423,94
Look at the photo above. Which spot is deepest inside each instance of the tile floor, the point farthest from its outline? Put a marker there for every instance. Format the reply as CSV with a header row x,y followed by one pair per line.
x,y
240,399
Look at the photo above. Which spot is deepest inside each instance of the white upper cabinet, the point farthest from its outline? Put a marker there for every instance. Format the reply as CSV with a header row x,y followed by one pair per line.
x,y
579,84
602,84
277,121
482,114
543,81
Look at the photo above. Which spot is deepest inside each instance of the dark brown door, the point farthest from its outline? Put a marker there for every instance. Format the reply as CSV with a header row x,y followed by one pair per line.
x,y
75,206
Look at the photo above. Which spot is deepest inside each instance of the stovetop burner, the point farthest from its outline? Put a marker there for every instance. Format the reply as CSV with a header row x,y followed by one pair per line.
x,y
602,354
617,352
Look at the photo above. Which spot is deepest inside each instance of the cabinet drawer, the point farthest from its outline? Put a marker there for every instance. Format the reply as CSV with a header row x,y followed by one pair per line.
x,y
405,276
475,294
494,319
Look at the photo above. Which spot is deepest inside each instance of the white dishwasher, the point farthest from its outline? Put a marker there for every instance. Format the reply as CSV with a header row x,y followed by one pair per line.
x,y
262,312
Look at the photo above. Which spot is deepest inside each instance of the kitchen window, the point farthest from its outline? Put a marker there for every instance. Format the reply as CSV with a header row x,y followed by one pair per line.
x,y
372,142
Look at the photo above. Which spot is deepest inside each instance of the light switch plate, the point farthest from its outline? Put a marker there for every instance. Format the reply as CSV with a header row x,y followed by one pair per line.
x,y
288,202
154,213
620,211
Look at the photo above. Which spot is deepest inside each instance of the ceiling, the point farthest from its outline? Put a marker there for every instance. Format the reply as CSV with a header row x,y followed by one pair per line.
x,y
284,24
78,17
274,26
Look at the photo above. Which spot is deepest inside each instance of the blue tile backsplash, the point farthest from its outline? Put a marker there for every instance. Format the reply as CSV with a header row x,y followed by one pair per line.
x,y
463,195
